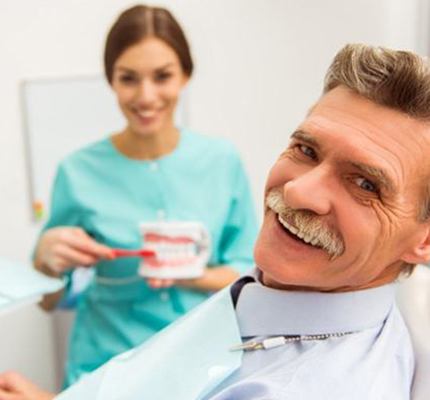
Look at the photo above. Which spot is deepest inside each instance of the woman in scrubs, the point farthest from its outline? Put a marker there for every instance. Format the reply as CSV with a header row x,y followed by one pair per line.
x,y
151,170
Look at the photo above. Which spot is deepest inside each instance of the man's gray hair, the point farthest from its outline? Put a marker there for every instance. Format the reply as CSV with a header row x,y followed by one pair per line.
x,y
396,79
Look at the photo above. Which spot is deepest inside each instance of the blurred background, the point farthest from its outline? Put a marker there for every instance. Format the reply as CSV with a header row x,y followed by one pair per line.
x,y
259,66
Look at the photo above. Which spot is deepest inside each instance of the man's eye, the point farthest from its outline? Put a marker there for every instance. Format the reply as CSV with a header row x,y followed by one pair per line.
x,y
366,185
307,151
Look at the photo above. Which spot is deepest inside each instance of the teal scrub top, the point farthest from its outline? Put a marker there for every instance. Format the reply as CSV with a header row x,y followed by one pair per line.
x,y
108,195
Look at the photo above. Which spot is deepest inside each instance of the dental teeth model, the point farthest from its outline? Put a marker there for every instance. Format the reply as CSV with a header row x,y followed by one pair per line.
x,y
182,249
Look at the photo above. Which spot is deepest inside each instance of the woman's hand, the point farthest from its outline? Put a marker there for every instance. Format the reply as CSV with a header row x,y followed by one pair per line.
x,y
14,386
64,247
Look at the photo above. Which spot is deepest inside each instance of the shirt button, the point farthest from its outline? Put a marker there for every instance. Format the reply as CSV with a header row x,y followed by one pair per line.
x,y
164,296
153,166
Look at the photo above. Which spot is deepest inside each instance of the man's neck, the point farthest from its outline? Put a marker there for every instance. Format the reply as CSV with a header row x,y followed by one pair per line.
x,y
388,276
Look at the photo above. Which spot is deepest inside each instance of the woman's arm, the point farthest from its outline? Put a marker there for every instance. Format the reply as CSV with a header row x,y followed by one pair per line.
x,y
62,248
63,245
213,279
14,386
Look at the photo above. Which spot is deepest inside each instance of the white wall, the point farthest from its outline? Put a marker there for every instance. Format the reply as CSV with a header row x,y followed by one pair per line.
x,y
259,65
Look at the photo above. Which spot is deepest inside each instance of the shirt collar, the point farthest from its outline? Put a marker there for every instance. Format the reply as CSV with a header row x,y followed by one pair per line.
x,y
263,311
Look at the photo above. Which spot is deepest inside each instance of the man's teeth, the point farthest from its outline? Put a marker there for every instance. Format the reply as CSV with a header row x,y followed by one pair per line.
x,y
307,238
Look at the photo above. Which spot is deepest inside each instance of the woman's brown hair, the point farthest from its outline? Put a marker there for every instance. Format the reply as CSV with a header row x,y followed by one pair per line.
x,y
139,22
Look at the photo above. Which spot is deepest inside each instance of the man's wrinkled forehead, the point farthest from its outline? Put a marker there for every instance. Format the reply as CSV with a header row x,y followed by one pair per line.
x,y
365,111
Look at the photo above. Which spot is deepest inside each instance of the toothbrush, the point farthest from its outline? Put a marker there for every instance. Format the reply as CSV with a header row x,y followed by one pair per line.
x,y
143,253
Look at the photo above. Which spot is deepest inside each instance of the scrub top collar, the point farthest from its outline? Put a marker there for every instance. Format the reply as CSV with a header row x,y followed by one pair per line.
x,y
263,311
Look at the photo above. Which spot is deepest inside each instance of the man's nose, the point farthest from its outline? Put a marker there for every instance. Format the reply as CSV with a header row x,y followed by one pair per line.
x,y
312,190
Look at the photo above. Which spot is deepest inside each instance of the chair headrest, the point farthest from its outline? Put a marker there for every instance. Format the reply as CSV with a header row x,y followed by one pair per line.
x,y
413,299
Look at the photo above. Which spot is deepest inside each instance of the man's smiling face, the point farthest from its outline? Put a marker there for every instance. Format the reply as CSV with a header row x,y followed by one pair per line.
x,y
350,184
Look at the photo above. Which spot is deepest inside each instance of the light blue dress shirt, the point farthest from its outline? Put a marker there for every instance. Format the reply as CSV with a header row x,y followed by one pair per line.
x,y
373,362
192,359
108,195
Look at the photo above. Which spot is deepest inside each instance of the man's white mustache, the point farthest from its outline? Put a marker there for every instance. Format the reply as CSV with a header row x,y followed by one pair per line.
x,y
307,223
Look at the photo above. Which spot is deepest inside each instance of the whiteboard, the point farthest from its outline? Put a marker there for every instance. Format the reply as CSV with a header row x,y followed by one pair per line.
x,y
60,116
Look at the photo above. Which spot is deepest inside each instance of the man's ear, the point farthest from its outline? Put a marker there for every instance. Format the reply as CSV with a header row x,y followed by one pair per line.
x,y
420,253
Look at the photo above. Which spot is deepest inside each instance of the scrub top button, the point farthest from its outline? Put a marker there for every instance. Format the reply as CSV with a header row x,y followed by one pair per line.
x,y
164,296
153,166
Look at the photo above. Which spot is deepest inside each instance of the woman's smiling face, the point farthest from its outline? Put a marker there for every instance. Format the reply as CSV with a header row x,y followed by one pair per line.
x,y
147,80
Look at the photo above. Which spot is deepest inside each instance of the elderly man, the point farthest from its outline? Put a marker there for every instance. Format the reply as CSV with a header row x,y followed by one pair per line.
x,y
347,211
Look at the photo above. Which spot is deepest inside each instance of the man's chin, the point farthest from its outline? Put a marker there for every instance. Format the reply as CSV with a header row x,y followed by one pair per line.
x,y
289,273
280,277
290,283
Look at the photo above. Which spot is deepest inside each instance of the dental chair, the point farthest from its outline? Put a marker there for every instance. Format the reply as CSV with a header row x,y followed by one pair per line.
x,y
413,299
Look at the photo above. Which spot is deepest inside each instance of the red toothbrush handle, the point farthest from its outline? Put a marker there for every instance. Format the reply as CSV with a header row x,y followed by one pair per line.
x,y
133,253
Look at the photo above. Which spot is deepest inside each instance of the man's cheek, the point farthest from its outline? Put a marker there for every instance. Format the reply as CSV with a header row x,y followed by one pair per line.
x,y
386,221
